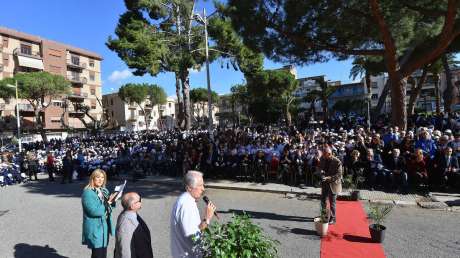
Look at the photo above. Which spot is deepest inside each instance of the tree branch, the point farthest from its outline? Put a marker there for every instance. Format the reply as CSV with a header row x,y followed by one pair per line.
x,y
435,48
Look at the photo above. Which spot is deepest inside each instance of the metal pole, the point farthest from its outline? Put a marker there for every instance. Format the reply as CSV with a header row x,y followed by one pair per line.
x,y
208,76
18,118
369,106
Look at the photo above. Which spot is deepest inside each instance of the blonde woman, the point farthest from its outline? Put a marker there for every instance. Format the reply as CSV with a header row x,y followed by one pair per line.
x,y
97,214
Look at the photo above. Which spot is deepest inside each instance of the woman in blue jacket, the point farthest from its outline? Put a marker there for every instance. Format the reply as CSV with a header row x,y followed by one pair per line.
x,y
97,214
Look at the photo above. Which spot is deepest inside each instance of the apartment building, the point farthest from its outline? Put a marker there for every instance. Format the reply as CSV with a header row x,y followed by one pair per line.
x,y
427,98
132,117
22,52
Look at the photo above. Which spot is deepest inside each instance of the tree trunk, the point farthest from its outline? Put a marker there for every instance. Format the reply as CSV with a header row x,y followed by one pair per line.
x,y
448,94
180,104
313,110
398,101
325,111
437,95
40,125
415,93
382,99
369,93
186,95
288,116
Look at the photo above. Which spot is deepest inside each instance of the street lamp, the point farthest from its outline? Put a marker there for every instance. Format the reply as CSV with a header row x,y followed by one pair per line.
x,y
17,114
203,19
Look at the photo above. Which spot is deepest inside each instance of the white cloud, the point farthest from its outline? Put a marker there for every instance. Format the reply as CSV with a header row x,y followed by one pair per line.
x,y
191,70
120,75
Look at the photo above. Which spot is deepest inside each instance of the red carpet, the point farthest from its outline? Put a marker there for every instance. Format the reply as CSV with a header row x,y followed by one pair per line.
x,y
350,236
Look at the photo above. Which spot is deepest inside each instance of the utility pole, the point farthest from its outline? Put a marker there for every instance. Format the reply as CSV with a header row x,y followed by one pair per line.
x,y
17,114
208,76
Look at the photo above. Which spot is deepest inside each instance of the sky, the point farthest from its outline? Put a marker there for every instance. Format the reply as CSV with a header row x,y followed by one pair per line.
x,y
87,24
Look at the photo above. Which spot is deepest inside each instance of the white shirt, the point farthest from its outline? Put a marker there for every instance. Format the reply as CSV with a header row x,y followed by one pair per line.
x,y
185,221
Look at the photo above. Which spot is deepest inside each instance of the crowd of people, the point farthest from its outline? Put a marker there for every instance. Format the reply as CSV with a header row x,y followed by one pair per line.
x,y
421,158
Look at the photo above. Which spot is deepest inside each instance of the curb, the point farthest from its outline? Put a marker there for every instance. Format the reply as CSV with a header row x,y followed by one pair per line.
x,y
291,192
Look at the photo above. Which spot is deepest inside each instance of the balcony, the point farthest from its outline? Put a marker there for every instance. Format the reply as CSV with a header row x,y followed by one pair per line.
x,y
26,53
75,64
77,96
78,80
132,118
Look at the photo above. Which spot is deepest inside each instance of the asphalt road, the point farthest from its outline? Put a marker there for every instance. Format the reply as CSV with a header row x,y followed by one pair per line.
x,y
42,219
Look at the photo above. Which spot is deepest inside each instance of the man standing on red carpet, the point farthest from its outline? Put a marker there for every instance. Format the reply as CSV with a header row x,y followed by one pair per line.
x,y
331,180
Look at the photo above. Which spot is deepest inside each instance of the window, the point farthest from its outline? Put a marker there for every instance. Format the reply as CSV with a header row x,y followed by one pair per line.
x,y
92,76
6,59
5,42
55,119
75,60
93,106
169,104
93,91
7,101
112,112
26,49
91,63
57,104
374,96
374,85
111,102
141,113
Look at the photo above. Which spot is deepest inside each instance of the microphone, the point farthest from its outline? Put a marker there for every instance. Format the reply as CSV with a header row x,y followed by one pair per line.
x,y
206,200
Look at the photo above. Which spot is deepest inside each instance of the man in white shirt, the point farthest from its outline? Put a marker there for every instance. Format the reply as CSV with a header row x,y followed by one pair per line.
x,y
185,217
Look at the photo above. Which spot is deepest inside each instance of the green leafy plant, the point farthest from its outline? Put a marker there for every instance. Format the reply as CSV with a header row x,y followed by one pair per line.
x,y
324,216
237,238
378,213
351,183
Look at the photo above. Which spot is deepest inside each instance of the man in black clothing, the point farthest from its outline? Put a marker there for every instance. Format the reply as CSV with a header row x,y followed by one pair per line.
x,y
446,168
396,164
133,238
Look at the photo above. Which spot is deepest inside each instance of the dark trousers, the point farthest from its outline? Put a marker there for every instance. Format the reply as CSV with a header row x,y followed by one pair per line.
x,y
66,175
50,172
326,193
99,252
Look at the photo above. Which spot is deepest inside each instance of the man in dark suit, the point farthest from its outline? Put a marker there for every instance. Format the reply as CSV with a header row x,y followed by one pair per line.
x,y
445,168
396,165
331,171
132,234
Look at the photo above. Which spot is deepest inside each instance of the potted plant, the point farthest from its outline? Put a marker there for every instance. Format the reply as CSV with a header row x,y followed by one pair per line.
x,y
378,214
322,223
351,184
237,238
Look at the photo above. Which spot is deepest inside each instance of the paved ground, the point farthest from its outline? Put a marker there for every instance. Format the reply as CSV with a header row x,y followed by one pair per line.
x,y
41,219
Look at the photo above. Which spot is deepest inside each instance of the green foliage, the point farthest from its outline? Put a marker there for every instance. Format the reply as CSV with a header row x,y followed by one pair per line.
x,y
5,91
239,238
198,95
347,106
351,183
378,212
132,93
323,215
157,95
269,93
37,86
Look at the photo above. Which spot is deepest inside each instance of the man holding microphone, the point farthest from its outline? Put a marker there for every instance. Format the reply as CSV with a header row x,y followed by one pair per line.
x,y
186,222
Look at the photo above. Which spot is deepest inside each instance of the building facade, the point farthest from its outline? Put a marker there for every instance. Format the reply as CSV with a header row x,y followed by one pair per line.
x,y
133,117
21,52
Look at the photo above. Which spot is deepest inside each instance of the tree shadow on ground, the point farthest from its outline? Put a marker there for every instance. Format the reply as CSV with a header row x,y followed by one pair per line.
x,y
453,202
359,239
307,233
269,215
23,250
74,190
